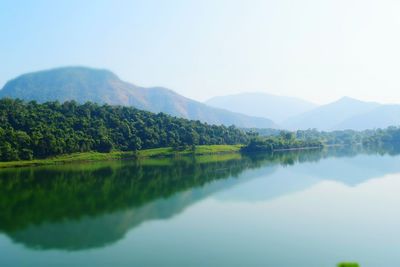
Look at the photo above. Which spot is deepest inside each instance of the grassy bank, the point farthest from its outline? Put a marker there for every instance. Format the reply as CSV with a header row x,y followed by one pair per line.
x,y
117,155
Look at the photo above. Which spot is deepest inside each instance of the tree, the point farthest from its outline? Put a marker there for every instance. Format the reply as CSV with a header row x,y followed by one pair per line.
x,y
105,145
7,152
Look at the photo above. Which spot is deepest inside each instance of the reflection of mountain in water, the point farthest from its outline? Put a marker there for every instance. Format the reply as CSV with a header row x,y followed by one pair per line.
x,y
75,207
350,170
82,206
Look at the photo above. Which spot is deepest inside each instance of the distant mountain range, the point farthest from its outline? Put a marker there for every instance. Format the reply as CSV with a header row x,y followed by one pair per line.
x,y
102,86
334,116
277,108
247,110
347,113
379,117
293,113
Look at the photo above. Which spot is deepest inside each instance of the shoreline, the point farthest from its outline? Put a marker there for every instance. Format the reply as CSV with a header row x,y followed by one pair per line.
x,y
299,148
166,152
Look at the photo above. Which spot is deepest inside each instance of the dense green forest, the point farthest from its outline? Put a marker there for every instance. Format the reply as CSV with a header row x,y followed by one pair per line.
x,y
374,137
385,137
271,140
285,140
342,137
31,130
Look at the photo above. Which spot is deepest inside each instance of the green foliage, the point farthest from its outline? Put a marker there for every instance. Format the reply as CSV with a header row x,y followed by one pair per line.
x,y
369,138
31,130
7,152
285,140
262,131
348,264
375,137
345,137
383,137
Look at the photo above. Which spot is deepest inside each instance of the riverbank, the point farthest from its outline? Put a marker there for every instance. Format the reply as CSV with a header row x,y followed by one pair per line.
x,y
121,155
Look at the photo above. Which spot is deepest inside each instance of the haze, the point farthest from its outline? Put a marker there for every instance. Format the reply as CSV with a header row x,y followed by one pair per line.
x,y
316,50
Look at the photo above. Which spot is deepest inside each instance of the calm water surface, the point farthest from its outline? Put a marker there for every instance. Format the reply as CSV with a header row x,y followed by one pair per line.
x,y
310,208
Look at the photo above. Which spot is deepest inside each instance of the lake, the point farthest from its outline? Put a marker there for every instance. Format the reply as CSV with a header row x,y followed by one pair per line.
x,y
305,208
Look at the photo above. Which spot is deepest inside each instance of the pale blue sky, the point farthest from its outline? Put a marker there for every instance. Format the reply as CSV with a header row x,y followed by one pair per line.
x,y
318,50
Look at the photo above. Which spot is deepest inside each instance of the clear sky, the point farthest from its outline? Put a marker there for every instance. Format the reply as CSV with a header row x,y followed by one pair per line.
x,y
318,50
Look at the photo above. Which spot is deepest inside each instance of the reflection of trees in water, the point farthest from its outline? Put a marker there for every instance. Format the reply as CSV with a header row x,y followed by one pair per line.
x,y
35,195
82,206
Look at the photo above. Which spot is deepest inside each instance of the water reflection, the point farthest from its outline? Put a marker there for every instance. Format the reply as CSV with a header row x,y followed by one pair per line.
x,y
78,207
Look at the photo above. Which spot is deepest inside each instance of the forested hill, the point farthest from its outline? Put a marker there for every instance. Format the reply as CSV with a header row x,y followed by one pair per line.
x,y
100,86
32,130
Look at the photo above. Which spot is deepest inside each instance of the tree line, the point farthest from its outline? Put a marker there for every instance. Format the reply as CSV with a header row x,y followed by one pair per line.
x,y
30,130
271,140
284,140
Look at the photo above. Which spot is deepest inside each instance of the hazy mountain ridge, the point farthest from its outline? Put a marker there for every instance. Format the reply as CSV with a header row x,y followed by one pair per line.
x,y
277,108
247,110
102,86
293,113
380,117
332,115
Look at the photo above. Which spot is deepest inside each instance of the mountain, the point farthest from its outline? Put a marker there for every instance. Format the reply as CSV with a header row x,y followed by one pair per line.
x,y
102,86
380,117
331,116
277,108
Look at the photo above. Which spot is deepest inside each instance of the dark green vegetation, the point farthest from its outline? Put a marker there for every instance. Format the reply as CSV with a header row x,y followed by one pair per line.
x,y
32,130
104,87
348,264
